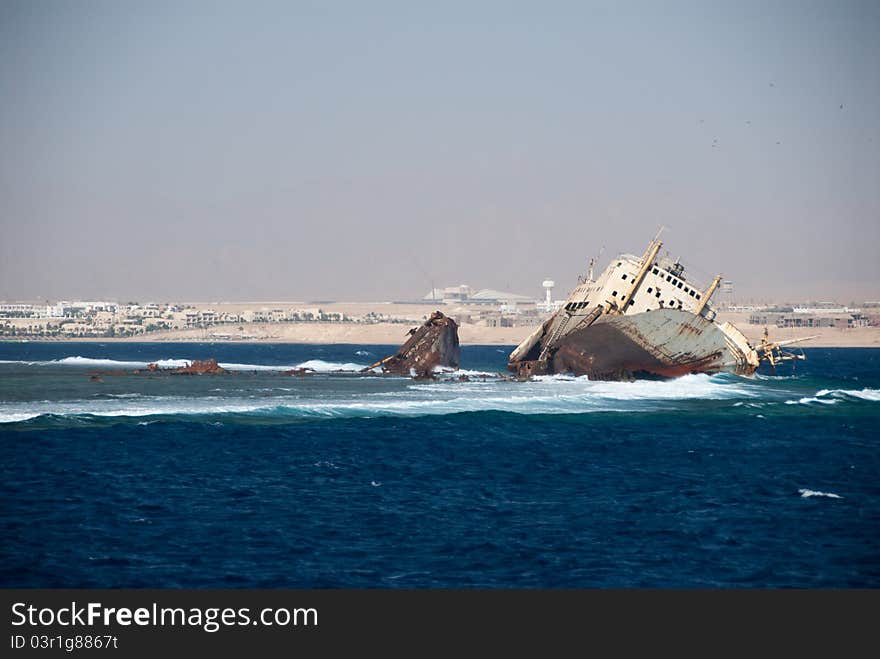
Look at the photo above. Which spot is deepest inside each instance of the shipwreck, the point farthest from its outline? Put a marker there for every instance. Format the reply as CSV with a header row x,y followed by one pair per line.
x,y
432,345
641,317
195,367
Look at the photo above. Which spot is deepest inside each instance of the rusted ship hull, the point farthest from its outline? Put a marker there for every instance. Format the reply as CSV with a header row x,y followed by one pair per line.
x,y
663,343
433,344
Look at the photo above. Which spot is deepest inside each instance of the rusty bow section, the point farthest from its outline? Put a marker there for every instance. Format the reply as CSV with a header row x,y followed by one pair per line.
x,y
433,344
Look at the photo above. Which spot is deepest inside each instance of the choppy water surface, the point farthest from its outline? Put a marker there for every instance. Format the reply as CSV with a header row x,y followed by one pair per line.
x,y
345,479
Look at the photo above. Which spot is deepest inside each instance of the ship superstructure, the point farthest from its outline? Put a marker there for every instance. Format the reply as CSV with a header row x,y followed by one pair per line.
x,y
641,317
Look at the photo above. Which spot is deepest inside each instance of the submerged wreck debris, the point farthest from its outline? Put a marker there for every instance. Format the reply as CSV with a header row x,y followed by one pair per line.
x,y
433,344
195,367
640,318
303,370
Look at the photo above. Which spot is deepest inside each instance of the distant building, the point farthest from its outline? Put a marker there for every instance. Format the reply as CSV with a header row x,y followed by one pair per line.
x,y
491,296
16,310
824,309
449,295
801,319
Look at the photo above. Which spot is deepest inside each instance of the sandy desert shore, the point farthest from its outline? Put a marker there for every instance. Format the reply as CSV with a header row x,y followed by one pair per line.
x,y
396,333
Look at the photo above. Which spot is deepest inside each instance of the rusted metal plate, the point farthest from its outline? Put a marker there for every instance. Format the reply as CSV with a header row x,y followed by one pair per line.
x,y
433,344
663,343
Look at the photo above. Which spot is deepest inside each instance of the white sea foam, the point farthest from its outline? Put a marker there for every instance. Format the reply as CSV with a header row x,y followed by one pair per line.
x,y
864,394
449,397
321,366
401,397
698,386
445,371
810,400
833,396
173,363
318,365
92,362
254,367
816,493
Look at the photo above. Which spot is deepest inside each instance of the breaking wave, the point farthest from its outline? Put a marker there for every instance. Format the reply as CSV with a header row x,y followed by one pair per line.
x,y
317,365
320,366
403,398
834,396
815,493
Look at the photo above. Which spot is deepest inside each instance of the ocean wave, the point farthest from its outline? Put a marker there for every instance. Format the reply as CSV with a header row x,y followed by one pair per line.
x,y
834,396
92,362
317,365
815,493
772,378
322,366
255,367
173,363
862,394
445,371
575,396
697,386
128,395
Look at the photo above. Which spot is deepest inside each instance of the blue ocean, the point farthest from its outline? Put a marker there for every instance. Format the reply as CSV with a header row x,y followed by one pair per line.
x,y
342,479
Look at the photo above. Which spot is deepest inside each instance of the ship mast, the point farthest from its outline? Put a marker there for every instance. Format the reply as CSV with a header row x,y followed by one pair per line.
x,y
707,295
647,262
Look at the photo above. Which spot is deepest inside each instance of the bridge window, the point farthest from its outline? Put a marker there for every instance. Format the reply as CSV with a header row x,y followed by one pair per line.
x,y
668,277
655,271
680,284
623,277
650,289
698,296
614,294
657,294
692,293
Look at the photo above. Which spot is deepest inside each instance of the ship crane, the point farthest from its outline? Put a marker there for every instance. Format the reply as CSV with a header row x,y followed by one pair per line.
x,y
772,352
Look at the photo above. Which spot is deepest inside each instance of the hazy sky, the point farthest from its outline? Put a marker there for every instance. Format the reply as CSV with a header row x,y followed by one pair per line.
x,y
357,151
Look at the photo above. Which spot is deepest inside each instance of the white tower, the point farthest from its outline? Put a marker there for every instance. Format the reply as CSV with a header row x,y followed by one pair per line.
x,y
548,287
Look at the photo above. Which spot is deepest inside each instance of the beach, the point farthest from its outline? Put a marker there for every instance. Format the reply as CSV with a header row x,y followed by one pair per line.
x,y
469,334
